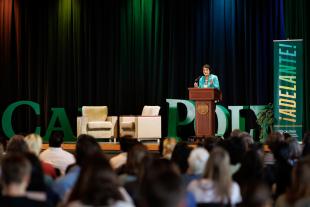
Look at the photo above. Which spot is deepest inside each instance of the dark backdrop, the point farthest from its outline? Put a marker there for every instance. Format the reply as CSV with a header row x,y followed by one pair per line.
x,y
130,53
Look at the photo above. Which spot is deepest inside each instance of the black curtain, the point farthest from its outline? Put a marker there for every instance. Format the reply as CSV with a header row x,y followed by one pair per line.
x,y
297,26
130,53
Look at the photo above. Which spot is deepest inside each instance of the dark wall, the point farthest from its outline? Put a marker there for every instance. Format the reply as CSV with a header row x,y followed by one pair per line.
x,y
130,53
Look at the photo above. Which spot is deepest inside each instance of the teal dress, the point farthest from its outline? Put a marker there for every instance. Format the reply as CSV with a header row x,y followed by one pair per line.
x,y
213,82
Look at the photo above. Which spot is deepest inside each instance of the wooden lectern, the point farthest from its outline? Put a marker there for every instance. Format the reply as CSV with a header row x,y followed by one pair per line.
x,y
205,109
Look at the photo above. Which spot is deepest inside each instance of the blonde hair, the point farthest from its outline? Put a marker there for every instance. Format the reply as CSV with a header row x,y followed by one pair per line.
x,y
168,147
34,142
217,170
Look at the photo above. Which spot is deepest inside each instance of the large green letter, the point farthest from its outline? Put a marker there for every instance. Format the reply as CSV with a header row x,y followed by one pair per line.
x,y
7,116
237,122
173,115
60,115
223,117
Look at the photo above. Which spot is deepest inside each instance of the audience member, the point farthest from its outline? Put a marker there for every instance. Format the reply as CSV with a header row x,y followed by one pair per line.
x,y
306,144
86,146
298,195
211,142
17,143
180,155
247,140
236,149
119,160
55,155
295,150
134,163
34,142
37,188
197,161
216,187
251,172
168,147
162,185
97,185
258,196
15,176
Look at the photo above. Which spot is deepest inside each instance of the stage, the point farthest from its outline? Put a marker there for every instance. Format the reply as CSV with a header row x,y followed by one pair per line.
x,y
106,146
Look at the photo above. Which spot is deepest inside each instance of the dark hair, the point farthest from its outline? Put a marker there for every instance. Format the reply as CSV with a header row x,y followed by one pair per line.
x,y
236,148
127,143
180,155
135,159
17,143
210,142
259,195
56,139
207,66
14,168
37,176
162,184
86,146
97,184
300,186
250,173
306,143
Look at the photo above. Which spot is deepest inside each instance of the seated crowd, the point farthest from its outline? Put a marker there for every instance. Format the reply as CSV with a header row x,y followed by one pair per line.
x,y
215,172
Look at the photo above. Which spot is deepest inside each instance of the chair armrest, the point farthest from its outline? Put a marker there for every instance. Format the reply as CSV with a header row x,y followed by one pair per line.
x,y
149,126
84,121
127,119
112,119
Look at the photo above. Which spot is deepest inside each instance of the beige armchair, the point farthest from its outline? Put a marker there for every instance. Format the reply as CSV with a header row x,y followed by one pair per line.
x,y
144,127
96,122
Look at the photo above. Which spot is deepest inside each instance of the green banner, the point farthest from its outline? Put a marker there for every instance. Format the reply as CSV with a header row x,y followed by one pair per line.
x,y
288,86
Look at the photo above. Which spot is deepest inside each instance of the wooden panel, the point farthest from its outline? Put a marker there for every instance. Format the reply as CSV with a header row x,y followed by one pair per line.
x,y
205,94
104,146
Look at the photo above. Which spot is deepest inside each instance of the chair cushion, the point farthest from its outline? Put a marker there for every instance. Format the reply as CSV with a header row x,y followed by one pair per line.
x,y
95,113
127,125
150,110
99,125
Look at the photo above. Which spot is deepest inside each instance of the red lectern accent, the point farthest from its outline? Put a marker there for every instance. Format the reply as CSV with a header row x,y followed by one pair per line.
x,y
205,109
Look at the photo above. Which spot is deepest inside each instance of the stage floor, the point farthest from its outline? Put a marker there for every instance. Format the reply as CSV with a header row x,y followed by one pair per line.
x,y
107,146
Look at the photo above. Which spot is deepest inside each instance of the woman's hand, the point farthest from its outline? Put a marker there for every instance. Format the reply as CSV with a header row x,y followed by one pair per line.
x,y
196,85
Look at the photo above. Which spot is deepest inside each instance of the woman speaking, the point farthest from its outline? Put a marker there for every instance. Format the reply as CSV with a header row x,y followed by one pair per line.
x,y
208,80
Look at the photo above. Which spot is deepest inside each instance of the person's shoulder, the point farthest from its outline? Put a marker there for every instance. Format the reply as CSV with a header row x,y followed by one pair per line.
x,y
6,201
213,76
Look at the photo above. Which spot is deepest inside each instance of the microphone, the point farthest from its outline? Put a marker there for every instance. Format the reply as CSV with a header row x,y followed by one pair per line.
x,y
197,79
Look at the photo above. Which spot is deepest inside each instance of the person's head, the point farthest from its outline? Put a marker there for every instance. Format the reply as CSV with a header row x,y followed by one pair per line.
x,y
258,196
235,133
162,185
211,142
273,139
247,139
197,161
206,70
295,150
37,176
235,146
16,144
135,159
218,170
127,143
251,166
300,181
56,139
180,155
281,152
168,147
97,184
86,146
34,142
306,144
15,170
